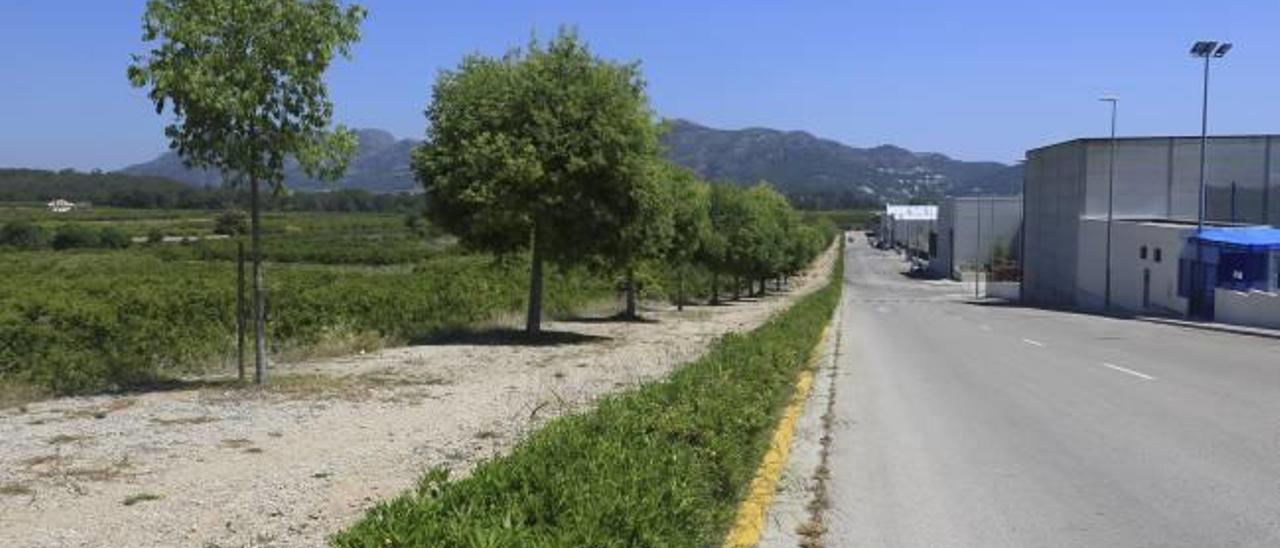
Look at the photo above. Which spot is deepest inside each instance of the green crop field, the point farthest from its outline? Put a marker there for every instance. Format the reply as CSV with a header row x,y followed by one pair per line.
x,y
78,320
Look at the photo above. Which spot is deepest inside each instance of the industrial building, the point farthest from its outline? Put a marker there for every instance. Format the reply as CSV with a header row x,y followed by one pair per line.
x,y
973,233
1159,261
908,227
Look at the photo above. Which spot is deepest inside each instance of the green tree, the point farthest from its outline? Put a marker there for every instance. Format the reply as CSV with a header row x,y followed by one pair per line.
x,y
730,234
749,239
773,221
245,84
545,150
646,233
691,224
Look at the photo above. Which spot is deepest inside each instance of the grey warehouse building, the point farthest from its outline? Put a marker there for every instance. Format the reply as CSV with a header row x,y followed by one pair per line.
x,y
972,231
1158,260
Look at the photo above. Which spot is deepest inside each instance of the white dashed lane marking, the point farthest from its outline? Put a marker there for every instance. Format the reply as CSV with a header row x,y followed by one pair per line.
x,y
1128,371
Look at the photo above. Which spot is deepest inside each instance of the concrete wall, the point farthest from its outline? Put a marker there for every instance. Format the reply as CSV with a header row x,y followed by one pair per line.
x,y
1008,291
1052,196
970,230
912,234
1128,238
1159,178
1253,308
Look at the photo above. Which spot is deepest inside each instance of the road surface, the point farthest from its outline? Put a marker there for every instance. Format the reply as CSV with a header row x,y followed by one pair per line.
x,y
959,424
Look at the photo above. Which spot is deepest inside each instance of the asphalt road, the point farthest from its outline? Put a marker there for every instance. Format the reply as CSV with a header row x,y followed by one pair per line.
x,y
960,424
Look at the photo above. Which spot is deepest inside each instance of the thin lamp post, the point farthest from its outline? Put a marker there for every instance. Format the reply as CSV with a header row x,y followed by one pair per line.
x,y
977,253
1111,197
1207,50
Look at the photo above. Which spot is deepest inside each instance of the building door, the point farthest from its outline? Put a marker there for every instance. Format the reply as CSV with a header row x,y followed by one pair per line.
x,y
1202,278
1146,288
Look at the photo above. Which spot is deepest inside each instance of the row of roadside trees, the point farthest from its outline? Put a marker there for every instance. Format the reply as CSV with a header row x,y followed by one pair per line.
x,y
548,150
553,151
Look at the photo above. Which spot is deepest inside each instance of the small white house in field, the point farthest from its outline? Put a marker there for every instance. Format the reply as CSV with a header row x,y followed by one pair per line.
x,y
61,206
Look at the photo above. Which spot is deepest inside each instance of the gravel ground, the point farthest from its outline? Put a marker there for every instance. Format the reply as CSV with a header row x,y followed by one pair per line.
x,y
214,466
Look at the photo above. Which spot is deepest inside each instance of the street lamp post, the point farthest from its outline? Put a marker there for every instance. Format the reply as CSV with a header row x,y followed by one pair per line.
x,y
1206,50
1111,197
977,252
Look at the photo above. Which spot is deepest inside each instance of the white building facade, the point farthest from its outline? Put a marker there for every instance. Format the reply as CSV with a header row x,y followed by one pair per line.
x,y
973,232
1159,264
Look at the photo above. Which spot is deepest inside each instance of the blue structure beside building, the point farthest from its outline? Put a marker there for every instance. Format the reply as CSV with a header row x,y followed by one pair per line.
x,y
1151,257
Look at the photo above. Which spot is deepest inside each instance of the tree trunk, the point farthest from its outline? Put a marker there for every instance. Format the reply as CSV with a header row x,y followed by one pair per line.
x,y
630,313
715,288
241,312
680,291
777,283
259,301
533,323
737,287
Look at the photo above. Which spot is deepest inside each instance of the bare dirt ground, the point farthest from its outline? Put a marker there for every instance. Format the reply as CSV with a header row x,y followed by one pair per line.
x,y
214,466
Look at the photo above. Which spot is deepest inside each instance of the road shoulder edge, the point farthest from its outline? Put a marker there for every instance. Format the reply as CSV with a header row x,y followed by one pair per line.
x,y
792,502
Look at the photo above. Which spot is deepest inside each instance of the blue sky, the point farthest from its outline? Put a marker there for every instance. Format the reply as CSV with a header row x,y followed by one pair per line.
x,y
977,80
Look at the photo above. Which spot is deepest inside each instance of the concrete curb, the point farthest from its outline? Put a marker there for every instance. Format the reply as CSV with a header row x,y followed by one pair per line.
x,y
792,509
1218,327
751,522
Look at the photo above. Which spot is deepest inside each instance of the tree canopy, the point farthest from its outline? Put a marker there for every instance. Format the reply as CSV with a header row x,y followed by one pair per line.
x,y
549,148
244,82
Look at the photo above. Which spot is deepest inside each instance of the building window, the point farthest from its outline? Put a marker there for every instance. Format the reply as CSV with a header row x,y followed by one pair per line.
x,y
1142,253
1158,256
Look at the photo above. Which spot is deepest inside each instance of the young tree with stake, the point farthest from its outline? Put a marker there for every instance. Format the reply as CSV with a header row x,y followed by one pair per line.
x,y
244,82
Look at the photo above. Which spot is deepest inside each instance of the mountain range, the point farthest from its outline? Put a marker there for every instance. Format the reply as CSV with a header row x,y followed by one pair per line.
x,y
381,164
801,165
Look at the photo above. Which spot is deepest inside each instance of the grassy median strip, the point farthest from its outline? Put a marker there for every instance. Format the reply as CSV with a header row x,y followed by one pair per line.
x,y
664,465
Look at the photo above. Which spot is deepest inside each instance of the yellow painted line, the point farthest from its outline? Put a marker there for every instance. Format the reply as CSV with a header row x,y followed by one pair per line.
x,y
749,523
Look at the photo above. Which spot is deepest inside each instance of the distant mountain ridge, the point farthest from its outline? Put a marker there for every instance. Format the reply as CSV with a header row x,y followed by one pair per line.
x,y
381,165
806,167
800,163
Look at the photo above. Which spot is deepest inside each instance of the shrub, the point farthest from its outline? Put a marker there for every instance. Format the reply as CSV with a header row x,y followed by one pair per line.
x,y
90,321
112,238
665,465
231,222
22,235
75,236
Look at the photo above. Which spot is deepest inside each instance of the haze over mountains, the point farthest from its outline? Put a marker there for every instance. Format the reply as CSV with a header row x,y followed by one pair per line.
x,y
812,170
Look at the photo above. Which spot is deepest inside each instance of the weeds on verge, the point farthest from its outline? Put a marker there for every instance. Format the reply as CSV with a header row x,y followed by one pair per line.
x,y
140,497
665,464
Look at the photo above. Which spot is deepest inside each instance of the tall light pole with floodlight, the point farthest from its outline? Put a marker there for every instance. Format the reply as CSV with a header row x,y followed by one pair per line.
x,y
1206,50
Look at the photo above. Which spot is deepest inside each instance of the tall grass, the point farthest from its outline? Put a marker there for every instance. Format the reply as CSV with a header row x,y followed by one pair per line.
x,y
664,465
